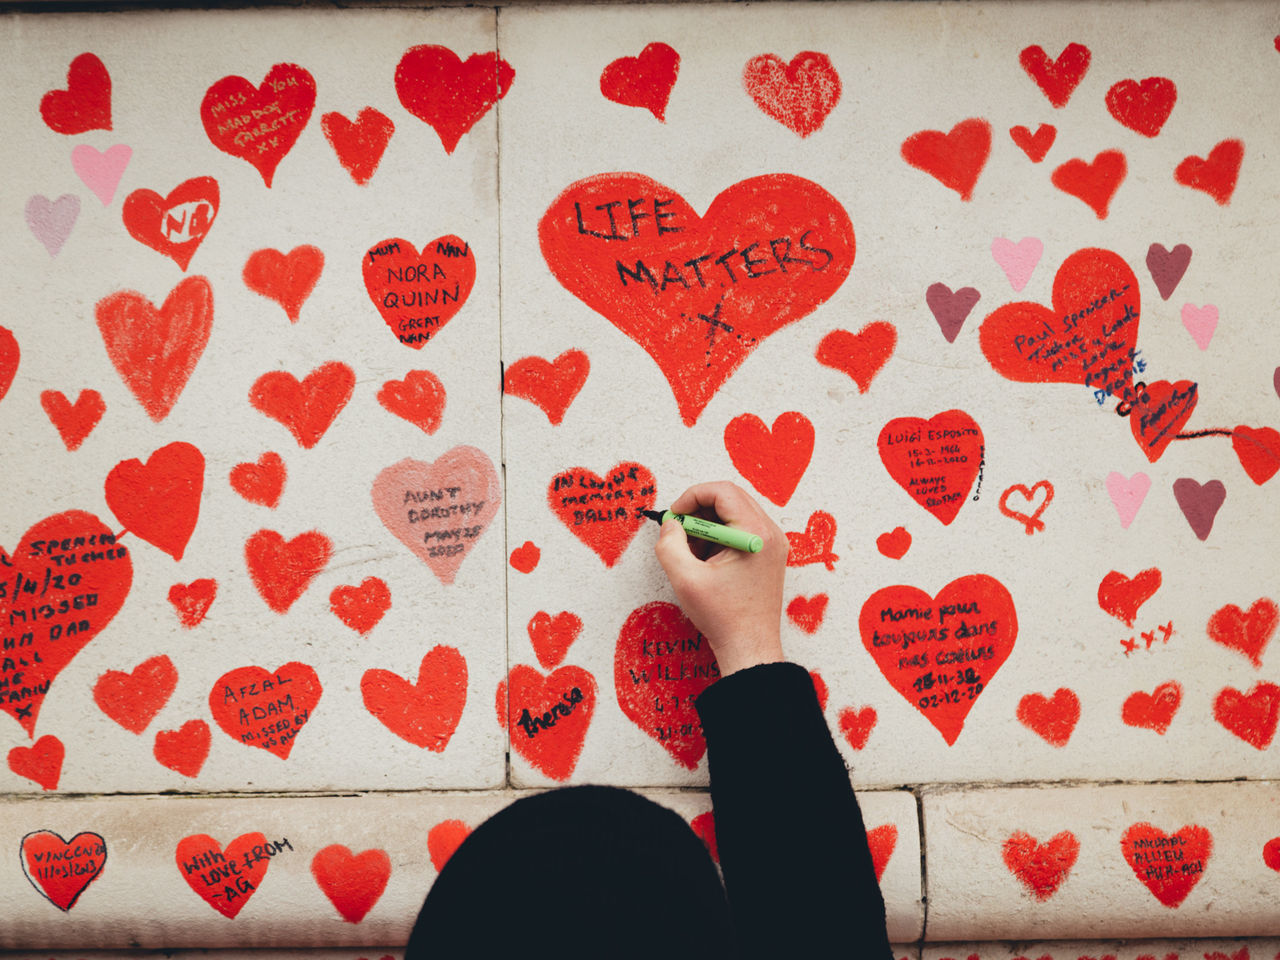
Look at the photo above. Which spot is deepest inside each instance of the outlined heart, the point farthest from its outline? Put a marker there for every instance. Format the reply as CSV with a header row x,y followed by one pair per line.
x,y
894,543
425,713
286,278
1216,174
177,224
547,717
1169,865
1095,183
604,513
1121,596
281,569
950,310
1057,79
439,509
183,750
443,841
263,708
1030,521
1142,105
857,724
133,699
1250,716
159,501
61,870
50,221
1199,503
814,544
362,607
419,398
10,357
307,408
359,144
1258,450
73,421
1168,266
450,94
259,124
968,631
352,882
1155,710
1035,145
698,294
418,293
807,612
261,481
77,608
643,81
861,355
224,879
772,460
156,351
660,665
956,158
1017,260
525,557
799,95
1053,719
551,636
1158,412
550,385
1250,632
193,600
1127,494
936,460
1041,867
881,842
101,170
86,102
41,762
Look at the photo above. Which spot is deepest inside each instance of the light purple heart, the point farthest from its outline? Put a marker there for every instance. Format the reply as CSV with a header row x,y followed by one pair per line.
x,y
51,220
950,309
1168,266
1199,503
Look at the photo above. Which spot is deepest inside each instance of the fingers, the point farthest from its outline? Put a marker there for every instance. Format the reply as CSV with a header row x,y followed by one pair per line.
x,y
729,501
672,550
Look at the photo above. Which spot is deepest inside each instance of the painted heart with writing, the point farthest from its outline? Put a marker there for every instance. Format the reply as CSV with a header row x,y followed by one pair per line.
x,y
1158,412
1258,451
41,762
307,408
259,124
1142,105
418,293
419,398
603,512
443,841
799,95
1215,175
940,653
61,870
551,636
814,544
547,717
440,509
360,608
47,614
950,310
936,460
263,708
771,459
101,170
159,501
1250,716
1041,867
807,612
861,355
1034,145
286,278
177,224
660,665
955,158
86,103
224,879
450,94
698,294
1053,719
262,481
73,421
550,385
280,569
425,713
359,144
183,750
352,882
133,699
1121,596
1247,632
1094,183
192,600
1167,864
644,81
1057,79
1155,710
10,355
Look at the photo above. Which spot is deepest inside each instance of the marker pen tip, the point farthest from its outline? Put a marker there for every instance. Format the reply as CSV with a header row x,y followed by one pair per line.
x,y
653,514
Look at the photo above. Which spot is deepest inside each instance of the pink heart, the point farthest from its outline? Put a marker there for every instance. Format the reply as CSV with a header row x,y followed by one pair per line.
x,y
1017,260
51,220
439,510
101,172
950,310
1200,323
1127,494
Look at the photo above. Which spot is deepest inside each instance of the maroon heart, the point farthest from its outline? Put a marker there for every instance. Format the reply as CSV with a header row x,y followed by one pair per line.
x,y
1199,503
950,309
1167,266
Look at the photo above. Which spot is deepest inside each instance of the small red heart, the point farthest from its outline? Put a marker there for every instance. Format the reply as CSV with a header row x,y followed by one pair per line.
x,y
1142,105
418,398
1271,849
286,278
1215,175
799,95
352,882
425,713
1041,867
771,459
259,124
644,81
360,608
209,869
1052,718
704,827
1057,79
956,158
815,544
85,104
552,386
547,717
1034,145
881,841
60,869
133,699
1155,710
1121,596
603,512
1159,412
820,689
193,600
807,612
183,750
936,460
159,501
265,709
1145,849
856,725
175,225
895,543
525,557
359,145
1031,521
1095,183
308,408
9,357
41,762
450,94
861,355
552,636
1258,451
417,294
283,569
443,841
75,421
1250,716
261,482
1247,632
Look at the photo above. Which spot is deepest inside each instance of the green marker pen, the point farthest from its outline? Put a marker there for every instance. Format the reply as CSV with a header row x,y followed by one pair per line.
x,y
743,540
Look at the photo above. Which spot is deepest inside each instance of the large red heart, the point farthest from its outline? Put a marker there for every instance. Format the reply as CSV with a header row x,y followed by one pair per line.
x,y
1152,711
941,653
1121,596
183,750
307,408
861,354
1250,716
643,81
175,225
1088,337
1057,79
956,158
439,510
352,882
133,699
1215,175
447,93
85,104
265,709
660,666
603,512
64,582
552,636
192,600
1158,412
1169,865
259,124
426,713
698,294
1247,632
419,398
73,421
41,762
934,460
9,357
1258,451
155,351
224,879
771,460
1142,105
417,294
799,94
286,278
1041,867
60,869
1053,718
547,717
359,145
360,608
552,385
159,501
1093,183
283,569
261,482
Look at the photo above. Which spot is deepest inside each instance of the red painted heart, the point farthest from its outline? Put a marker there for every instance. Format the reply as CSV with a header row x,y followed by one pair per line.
x,y
1142,105
9,358
807,612
61,870
183,750
417,294
1054,718
419,398
359,145
259,124
175,225
282,569
552,636
815,544
1251,716
425,713
263,708
73,421
1247,632
1158,412
224,879
1057,79
362,607
133,699
352,882
193,600
1121,596
956,158
1167,864
799,95
771,460
1041,867
551,385
644,81
603,512
1155,710
286,278
856,725
447,93
547,717
861,355
1258,451
1215,175
895,543
41,762
260,482
1093,183
1034,145
936,460
443,841
881,841
307,408
159,501
86,103
525,557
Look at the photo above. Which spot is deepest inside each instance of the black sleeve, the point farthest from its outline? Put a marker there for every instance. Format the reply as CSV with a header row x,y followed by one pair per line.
x,y
792,845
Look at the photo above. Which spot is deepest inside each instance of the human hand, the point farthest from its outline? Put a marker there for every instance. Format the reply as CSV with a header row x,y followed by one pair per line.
x,y
733,598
